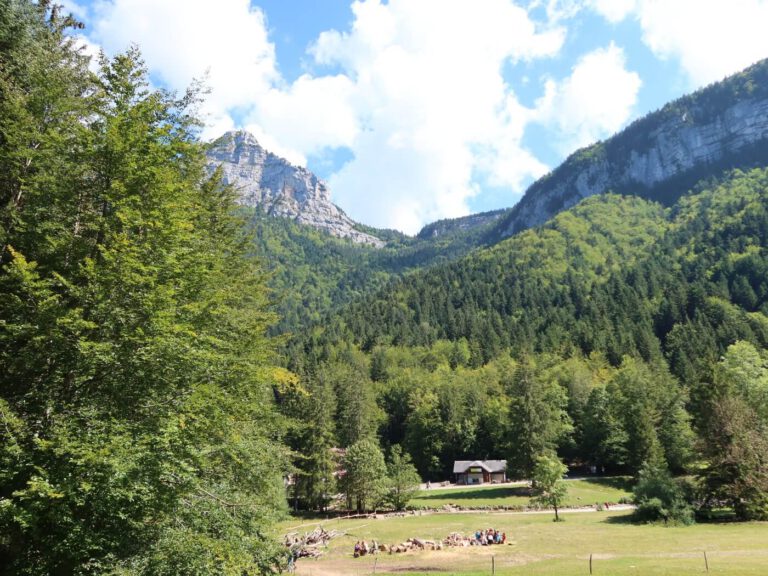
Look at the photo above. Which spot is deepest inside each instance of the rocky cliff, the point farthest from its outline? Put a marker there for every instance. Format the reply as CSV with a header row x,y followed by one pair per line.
x,y
660,156
273,184
459,225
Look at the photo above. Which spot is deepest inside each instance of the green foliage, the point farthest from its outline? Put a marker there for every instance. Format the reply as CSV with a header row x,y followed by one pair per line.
x,y
315,274
365,479
547,482
539,421
737,452
658,497
404,480
139,434
744,371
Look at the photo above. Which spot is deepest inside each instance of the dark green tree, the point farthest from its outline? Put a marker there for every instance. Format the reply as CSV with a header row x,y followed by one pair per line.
x,y
736,448
538,417
658,496
136,391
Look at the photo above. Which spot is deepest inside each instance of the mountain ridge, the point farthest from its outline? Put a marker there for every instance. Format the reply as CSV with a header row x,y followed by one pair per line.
x,y
274,185
662,154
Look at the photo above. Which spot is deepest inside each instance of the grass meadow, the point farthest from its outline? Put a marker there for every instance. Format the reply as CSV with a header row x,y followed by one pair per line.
x,y
584,492
537,546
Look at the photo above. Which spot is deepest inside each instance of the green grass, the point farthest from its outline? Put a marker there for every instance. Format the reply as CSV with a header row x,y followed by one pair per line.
x,y
580,493
541,547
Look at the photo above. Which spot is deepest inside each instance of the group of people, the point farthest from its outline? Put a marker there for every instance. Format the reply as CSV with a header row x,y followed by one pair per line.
x,y
490,536
362,548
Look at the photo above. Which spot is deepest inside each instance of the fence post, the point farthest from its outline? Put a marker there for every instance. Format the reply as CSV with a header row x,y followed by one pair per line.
x,y
590,563
706,562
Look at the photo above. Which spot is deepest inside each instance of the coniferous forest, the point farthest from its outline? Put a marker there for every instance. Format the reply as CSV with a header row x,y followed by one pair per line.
x,y
180,372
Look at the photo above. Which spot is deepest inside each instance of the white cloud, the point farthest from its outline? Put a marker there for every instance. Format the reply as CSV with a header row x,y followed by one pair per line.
x,y
432,104
595,101
186,39
710,39
416,92
613,10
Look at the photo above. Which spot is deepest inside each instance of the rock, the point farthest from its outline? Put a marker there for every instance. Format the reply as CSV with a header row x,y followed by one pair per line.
x,y
279,188
450,226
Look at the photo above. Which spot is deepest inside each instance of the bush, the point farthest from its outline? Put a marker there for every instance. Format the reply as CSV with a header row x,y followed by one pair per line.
x,y
659,498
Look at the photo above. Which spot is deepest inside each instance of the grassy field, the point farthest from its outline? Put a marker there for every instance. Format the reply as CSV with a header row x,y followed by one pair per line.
x,y
580,493
538,546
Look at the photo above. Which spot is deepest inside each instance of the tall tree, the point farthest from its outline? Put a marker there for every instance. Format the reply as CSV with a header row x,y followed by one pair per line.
x,y
736,448
538,416
136,390
365,478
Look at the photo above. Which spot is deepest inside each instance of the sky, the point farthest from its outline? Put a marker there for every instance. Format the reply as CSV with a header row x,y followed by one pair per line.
x,y
417,110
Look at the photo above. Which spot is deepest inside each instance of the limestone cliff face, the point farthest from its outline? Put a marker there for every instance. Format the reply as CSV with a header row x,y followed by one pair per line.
x,y
659,156
280,189
460,225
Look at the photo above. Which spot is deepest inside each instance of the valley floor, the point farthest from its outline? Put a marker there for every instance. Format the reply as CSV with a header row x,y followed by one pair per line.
x,y
538,546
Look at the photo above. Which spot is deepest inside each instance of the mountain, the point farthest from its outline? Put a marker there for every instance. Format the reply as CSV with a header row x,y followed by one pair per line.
x,y
278,188
315,273
619,275
612,323
449,226
661,155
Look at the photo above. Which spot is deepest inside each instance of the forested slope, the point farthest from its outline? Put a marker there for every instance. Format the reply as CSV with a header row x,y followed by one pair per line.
x,y
314,274
618,334
615,274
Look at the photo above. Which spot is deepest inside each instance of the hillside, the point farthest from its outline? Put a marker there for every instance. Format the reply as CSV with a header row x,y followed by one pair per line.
x,y
611,274
313,273
602,334
660,157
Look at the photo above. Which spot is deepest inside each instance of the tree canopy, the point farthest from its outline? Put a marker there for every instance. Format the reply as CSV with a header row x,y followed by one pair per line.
x,y
138,429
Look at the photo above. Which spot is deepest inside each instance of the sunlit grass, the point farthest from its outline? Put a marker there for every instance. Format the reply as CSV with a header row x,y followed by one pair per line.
x,y
538,546
580,493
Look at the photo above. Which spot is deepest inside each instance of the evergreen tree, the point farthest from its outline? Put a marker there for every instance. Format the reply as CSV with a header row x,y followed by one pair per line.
x,y
537,413
658,497
136,382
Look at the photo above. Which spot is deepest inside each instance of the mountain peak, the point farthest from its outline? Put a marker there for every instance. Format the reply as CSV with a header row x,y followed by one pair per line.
x,y
279,188
238,138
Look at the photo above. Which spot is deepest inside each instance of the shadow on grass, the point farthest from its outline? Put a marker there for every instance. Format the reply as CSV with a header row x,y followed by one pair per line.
x,y
618,482
499,493
623,519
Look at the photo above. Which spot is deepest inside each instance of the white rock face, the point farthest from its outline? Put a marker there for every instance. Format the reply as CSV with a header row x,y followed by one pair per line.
x,y
279,188
682,141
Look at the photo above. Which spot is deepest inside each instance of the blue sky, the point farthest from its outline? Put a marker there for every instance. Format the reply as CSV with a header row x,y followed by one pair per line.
x,y
415,110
